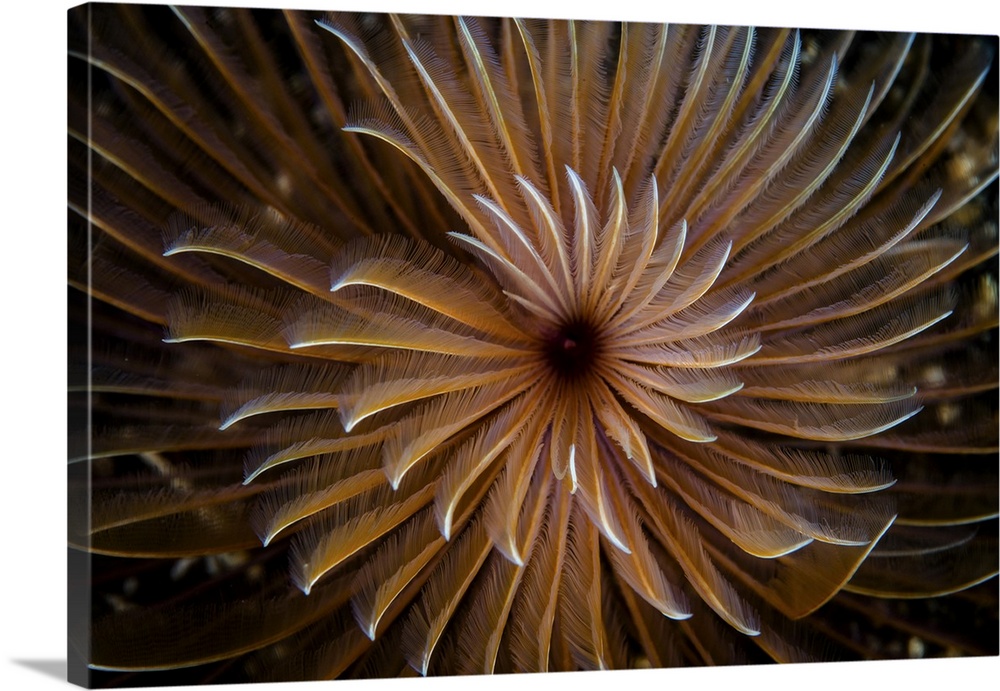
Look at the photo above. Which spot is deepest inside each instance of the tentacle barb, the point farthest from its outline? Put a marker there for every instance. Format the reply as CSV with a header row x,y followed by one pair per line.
x,y
439,345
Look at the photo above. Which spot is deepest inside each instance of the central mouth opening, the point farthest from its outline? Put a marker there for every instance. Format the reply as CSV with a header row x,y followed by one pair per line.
x,y
572,349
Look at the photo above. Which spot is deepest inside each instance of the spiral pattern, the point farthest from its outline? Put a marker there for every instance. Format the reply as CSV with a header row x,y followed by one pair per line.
x,y
523,345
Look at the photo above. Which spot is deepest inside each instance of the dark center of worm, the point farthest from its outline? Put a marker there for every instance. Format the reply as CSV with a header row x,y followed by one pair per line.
x,y
572,349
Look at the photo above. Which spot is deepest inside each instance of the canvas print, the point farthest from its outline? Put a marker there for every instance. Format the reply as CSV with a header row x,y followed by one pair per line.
x,y
431,345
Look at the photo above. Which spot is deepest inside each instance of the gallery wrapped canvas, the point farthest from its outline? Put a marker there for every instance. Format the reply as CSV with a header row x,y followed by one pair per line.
x,y
436,345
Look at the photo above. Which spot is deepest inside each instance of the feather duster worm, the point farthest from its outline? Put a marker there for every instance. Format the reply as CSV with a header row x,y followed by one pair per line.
x,y
526,345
